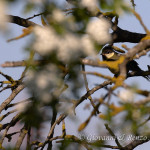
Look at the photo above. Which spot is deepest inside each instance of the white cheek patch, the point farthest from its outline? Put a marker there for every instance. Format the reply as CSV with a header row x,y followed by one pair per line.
x,y
110,55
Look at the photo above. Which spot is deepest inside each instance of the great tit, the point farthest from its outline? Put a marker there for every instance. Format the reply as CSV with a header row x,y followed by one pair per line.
x,y
109,54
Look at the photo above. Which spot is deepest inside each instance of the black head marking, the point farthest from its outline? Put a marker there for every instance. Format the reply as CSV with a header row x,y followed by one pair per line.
x,y
107,50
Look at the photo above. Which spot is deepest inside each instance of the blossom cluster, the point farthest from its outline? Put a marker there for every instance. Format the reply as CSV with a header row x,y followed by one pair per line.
x,y
68,46
44,82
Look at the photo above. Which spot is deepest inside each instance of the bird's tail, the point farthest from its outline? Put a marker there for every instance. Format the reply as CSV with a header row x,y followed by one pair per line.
x,y
133,66
147,76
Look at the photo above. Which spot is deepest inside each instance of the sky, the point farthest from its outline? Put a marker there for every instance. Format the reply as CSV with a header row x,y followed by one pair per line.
x,y
14,51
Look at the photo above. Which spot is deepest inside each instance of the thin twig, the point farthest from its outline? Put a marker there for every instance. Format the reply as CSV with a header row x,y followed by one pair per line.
x,y
112,134
35,16
140,20
87,88
14,120
21,137
11,97
7,114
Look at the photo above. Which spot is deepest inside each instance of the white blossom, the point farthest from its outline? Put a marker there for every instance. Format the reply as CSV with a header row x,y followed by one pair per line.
x,y
91,5
69,47
42,79
43,82
3,17
46,97
23,106
126,95
58,15
87,46
46,40
98,29
48,76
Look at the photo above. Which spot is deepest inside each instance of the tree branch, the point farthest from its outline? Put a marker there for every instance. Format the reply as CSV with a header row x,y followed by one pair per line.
x,y
119,35
135,143
21,21
11,97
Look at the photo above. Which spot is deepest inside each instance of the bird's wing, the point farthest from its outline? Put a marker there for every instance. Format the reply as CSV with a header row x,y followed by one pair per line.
x,y
133,66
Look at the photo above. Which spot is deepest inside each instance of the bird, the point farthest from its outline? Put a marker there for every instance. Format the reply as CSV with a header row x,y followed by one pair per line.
x,y
109,54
